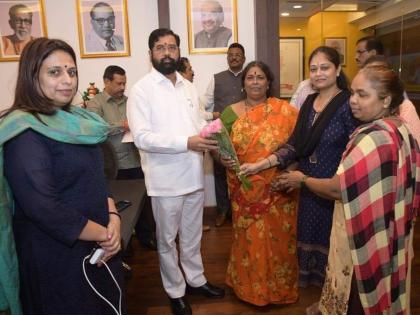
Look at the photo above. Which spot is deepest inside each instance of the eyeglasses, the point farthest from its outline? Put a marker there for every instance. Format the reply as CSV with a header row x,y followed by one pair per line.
x,y
162,48
22,21
210,15
101,21
359,52
235,55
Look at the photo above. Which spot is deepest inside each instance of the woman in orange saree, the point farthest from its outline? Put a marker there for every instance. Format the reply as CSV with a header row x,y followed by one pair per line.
x,y
263,265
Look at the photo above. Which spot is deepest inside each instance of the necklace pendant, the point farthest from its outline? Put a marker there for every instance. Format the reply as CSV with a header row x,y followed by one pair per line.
x,y
313,159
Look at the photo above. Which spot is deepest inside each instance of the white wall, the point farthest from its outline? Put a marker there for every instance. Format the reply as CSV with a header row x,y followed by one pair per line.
x,y
143,18
205,65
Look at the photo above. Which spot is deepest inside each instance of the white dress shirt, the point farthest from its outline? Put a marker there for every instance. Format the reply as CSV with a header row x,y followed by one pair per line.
x,y
162,116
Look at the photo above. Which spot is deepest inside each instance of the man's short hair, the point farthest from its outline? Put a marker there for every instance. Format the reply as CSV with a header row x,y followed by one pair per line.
x,y
237,45
98,5
372,42
14,9
181,67
111,70
161,32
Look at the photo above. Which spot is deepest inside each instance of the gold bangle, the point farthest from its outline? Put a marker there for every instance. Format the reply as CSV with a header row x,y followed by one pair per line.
x,y
302,181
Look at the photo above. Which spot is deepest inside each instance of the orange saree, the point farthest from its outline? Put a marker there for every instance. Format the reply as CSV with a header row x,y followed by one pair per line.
x,y
263,266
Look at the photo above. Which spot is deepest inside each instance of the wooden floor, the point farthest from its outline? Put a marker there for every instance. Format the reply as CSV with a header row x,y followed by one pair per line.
x,y
145,294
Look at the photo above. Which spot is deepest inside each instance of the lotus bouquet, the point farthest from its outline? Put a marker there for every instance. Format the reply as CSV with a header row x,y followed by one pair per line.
x,y
217,131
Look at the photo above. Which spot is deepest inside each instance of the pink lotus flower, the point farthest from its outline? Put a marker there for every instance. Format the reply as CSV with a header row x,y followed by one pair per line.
x,y
213,127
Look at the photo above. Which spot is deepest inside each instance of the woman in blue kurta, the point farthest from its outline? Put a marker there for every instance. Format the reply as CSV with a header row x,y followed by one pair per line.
x,y
58,192
324,126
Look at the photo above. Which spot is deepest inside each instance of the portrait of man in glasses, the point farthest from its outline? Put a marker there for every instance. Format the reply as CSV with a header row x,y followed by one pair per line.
x,y
20,21
102,37
213,33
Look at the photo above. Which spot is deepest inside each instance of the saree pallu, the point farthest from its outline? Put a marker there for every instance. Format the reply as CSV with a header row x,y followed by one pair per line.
x,y
263,266
379,178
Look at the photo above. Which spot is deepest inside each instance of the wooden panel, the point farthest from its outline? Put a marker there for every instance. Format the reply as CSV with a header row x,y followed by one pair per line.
x,y
267,37
163,14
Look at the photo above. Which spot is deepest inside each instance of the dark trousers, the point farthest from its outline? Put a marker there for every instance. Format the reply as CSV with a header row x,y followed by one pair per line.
x,y
221,189
145,226
355,306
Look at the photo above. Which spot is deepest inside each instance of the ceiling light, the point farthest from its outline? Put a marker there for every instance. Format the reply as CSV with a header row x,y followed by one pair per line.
x,y
285,14
298,6
298,29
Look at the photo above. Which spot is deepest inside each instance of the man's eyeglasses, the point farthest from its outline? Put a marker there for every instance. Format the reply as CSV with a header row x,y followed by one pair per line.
x,y
359,52
162,48
235,55
22,21
101,21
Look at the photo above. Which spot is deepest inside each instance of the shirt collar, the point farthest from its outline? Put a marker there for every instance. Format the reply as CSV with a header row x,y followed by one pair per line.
x,y
159,77
109,98
235,73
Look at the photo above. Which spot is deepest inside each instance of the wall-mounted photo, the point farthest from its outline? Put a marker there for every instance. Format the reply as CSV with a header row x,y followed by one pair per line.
x,y
212,26
20,22
291,64
339,44
103,28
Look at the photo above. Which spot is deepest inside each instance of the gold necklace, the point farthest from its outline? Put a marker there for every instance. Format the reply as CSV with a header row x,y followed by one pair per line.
x,y
248,105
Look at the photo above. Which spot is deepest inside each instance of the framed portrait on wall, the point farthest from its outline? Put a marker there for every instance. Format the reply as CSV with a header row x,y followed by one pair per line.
x,y
339,44
20,22
103,28
291,64
212,25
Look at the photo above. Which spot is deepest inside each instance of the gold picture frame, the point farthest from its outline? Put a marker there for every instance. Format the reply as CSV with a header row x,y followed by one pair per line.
x,y
103,28
20,22
339,44
212,25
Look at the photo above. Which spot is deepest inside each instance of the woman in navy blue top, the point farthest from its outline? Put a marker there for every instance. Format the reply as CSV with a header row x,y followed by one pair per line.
x,y
54,169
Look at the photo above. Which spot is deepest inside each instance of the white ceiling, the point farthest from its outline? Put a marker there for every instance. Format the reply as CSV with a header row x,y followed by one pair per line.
x,y
311,7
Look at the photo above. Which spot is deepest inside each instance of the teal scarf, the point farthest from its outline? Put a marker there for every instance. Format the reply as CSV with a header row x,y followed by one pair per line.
x,y
76,127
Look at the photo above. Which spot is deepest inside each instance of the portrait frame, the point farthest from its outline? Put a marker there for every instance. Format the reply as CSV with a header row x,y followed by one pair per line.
x,y
91,45
196,34
340,44
292,61
38,26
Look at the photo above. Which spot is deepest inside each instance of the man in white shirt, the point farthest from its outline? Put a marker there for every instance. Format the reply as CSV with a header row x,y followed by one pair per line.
x,y
164,117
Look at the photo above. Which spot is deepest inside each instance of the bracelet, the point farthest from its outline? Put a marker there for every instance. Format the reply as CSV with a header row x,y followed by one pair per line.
x,y
302,181
115,213
269,162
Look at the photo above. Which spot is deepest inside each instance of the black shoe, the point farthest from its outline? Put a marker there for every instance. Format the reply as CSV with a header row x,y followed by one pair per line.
x,y
180,306
208,290
150,244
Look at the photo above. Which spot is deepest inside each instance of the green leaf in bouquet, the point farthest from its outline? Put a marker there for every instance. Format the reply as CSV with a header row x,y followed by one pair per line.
x,y
226,148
